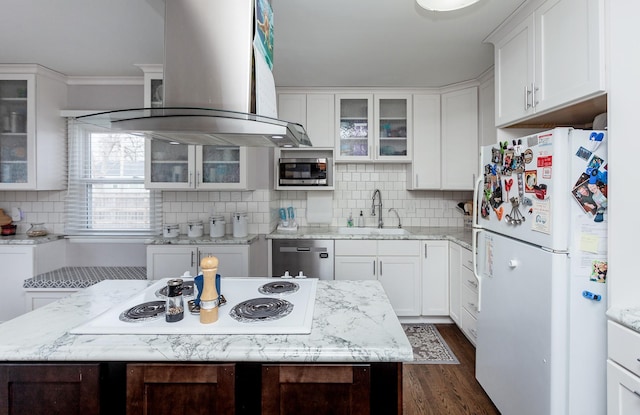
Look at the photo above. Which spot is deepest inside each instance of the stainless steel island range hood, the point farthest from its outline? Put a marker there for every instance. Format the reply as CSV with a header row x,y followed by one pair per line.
x,y
209,83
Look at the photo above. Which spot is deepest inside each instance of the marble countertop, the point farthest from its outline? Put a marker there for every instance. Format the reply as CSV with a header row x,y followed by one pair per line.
x,y
461,236
628,317
23,239
202,240
353,322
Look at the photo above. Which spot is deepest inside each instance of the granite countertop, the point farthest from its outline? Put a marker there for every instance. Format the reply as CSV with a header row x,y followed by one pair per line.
x,y
202,240
353,322
23,239
628,317
461,236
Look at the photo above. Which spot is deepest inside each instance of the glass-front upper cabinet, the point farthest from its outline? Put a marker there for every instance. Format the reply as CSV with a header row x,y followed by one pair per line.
x,y
373,127
393,127
14,143
32,132
180,166
354,137
153,90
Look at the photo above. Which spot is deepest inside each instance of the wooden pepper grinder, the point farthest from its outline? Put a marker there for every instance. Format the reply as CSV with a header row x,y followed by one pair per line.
x,y
209,297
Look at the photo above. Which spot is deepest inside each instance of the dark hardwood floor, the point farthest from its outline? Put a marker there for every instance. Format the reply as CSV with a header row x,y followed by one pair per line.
x,y
446,389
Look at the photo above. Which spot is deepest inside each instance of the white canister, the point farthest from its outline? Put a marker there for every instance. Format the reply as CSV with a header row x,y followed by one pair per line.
x,y
240,225
170,230
217,224
195,228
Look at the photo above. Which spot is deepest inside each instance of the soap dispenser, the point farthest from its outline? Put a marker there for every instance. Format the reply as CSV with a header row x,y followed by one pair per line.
x,y
361,220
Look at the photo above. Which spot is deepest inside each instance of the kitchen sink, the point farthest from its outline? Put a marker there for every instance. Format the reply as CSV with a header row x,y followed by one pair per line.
x,y
372,231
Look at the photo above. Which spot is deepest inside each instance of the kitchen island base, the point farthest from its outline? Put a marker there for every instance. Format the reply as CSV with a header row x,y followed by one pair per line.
x,y
205,388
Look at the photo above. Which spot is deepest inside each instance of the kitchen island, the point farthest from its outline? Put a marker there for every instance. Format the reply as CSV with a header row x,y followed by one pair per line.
x,y
352,358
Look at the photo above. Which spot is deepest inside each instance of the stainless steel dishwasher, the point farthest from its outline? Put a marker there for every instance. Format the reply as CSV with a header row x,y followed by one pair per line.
x,y
314,257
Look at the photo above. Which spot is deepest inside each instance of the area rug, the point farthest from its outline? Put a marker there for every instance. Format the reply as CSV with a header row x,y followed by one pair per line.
x,y
428,345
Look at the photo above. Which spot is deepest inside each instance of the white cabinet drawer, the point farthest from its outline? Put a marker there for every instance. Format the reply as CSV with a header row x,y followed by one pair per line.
x,y
399,248
624,347
623,391
466,259
470,301
355,247
469,326
468,279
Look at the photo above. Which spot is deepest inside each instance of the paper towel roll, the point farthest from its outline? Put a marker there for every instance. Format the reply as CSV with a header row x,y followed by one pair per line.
x,y
319,207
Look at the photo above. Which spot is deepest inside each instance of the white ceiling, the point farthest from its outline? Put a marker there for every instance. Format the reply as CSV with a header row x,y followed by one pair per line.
x,y
334,43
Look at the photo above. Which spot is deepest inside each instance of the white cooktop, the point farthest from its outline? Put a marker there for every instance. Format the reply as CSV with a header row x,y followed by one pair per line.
x,y
235,290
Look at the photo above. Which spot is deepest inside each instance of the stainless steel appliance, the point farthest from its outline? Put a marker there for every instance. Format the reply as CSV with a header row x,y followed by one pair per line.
x,y
304,172
314,257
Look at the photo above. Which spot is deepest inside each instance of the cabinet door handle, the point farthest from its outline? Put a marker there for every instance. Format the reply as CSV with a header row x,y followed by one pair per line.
x,y
425,251
534,103
380,267
192,258
198,181
374,267
526,98
417,182
190,178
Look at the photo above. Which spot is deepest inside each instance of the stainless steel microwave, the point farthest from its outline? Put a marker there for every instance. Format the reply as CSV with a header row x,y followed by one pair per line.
x,y
304,172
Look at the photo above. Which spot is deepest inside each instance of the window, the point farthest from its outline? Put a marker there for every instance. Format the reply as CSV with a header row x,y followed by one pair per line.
x,y
106,193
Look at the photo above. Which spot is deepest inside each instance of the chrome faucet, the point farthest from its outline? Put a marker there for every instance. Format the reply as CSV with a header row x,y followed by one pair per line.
x,y
398,215
379,205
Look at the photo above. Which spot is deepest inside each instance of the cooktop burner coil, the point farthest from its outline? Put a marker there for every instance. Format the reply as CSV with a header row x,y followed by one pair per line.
x,y
261,309
279,287
143,312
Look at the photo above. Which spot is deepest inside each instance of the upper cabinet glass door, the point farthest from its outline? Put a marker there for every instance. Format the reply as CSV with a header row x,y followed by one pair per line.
x,y
169,165
354,127
392,123
220,165
13,132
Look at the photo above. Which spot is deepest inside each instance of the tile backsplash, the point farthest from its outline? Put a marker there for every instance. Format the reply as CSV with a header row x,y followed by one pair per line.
x,y
355,184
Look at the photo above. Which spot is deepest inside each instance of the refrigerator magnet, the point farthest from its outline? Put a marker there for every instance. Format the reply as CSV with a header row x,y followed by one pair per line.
x,y
583,153
599,271
527,156
530,180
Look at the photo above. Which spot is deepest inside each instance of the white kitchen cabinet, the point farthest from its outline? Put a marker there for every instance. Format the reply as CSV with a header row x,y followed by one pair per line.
x,y
396,264
314,111
445,140
189,167
21,262
623,370
463,291
468,296
425,171
153,90
459,151
32,134
165,261
435,278
373,127
487,132
549,57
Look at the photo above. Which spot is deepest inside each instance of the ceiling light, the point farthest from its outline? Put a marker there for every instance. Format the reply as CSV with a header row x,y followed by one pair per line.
x,y
444,5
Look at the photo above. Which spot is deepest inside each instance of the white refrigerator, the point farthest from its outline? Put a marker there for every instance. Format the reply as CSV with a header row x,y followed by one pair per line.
x,y
540,239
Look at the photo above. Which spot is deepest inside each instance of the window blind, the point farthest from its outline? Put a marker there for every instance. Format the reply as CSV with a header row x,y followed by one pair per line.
x,y
106,194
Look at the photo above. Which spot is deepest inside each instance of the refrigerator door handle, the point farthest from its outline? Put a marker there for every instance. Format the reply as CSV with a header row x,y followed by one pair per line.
x,y
476,204
474,243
